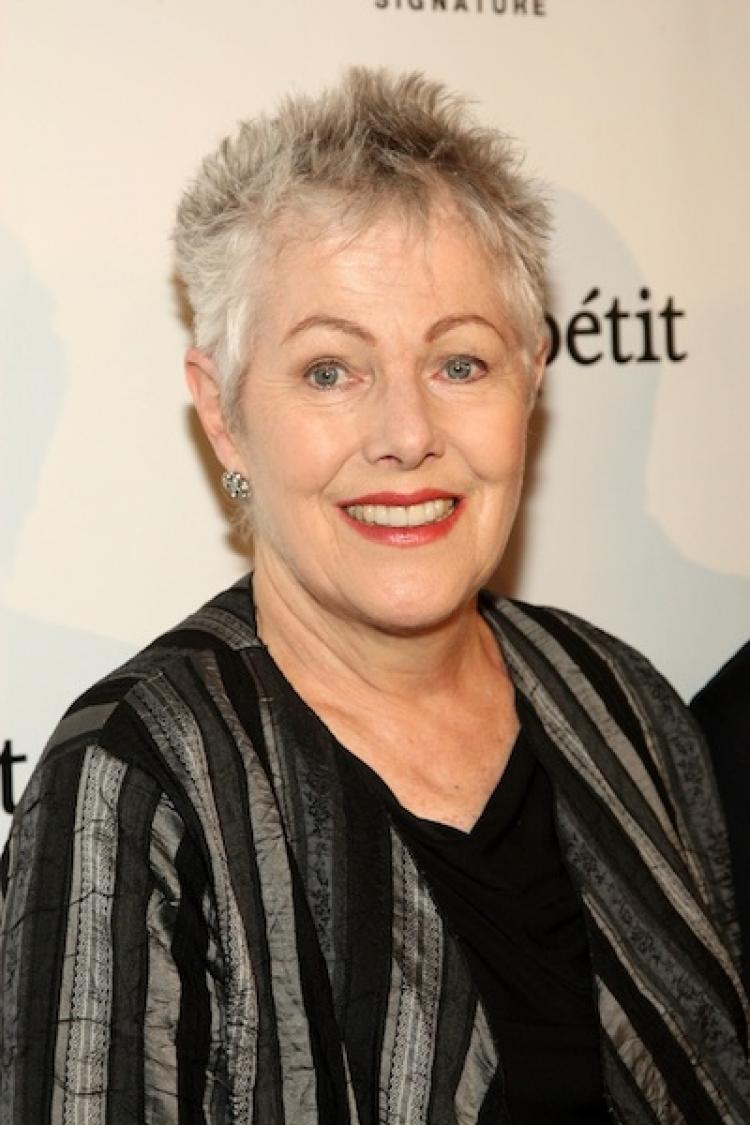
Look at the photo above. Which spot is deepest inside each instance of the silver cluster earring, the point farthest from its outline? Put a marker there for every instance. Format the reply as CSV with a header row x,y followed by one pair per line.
x,y
235,485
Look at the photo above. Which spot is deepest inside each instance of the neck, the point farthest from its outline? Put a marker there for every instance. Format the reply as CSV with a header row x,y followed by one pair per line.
x,y
316,647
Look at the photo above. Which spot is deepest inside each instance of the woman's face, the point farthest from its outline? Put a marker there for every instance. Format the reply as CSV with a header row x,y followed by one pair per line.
x,y
383,422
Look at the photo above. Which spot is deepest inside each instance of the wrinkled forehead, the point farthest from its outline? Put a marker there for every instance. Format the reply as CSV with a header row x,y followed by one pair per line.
x,y
316,231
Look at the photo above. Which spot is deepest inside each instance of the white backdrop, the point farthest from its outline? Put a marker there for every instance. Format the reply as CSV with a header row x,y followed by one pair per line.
x,y
634,113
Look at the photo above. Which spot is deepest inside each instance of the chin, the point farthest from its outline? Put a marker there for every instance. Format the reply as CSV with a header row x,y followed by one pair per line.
x,y
413,607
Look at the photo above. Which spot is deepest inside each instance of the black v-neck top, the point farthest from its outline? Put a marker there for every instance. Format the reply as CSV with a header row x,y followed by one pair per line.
x,y
505,893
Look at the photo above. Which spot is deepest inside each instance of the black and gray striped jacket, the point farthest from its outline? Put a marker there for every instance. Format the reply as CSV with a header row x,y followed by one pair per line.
x,y
209,919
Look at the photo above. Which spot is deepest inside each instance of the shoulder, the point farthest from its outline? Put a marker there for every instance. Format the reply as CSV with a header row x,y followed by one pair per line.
x,y
565,665
557,642
725,699
144,713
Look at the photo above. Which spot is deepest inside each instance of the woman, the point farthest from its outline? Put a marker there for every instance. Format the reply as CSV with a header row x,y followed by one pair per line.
x,y
356,842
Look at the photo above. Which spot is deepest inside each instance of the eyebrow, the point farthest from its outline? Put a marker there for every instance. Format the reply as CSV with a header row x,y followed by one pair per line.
x,y
339,324
351,328
447,322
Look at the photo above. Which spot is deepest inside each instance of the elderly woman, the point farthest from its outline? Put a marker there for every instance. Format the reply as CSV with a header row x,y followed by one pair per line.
x,y
358,842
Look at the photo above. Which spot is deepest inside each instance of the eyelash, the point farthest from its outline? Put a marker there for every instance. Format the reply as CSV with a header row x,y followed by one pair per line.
x,y
478,364
323,365
327,364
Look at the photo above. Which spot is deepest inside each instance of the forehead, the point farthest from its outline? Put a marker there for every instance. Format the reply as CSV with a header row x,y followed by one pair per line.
x,y
404,262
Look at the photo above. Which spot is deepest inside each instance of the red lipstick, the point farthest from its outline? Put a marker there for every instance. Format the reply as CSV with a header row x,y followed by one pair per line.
x,y
403,536
400,499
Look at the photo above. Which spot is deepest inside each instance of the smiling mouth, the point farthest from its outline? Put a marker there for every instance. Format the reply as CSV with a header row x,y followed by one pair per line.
x,y
397,515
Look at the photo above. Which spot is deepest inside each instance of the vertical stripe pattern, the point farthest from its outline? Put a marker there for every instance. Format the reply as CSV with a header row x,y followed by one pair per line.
x,y
414,996
661,955
86,990
207,918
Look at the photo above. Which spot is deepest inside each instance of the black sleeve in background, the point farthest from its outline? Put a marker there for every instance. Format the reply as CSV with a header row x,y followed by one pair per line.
x,y
722,708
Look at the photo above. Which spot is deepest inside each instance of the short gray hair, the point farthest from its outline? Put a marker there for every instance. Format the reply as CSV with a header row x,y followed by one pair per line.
x,y
376,140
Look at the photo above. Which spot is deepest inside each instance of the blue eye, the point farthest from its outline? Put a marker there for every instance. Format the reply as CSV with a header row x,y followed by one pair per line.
x,y
460,369
324,376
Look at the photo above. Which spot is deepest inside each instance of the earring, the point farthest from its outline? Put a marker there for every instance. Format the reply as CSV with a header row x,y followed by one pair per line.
x,y
235,485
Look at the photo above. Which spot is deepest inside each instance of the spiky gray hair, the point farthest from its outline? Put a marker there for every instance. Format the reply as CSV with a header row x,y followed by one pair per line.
x,y
374,141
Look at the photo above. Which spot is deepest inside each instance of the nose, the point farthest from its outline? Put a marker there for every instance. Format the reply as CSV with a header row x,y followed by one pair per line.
x,y
402,425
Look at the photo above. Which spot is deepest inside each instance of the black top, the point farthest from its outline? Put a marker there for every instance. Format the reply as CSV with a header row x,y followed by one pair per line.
x,y
201,905
506,894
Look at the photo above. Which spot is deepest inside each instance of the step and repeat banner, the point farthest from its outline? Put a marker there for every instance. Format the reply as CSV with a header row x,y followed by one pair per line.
x,y
634,114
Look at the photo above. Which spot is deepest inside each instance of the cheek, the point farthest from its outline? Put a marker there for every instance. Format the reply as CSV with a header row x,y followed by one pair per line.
x,y
290,456
497,447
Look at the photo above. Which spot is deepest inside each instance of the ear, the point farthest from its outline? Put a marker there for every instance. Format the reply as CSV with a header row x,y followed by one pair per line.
x,y
538,367
203,383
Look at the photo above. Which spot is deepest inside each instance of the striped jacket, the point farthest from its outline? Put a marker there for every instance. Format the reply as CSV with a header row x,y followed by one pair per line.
x,y
208,918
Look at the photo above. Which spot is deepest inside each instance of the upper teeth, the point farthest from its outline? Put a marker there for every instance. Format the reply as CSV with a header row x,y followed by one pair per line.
x,y
396,515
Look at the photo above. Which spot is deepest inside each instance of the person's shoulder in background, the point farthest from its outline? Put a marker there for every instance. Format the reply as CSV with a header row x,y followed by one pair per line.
x,y
722,708
724,703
